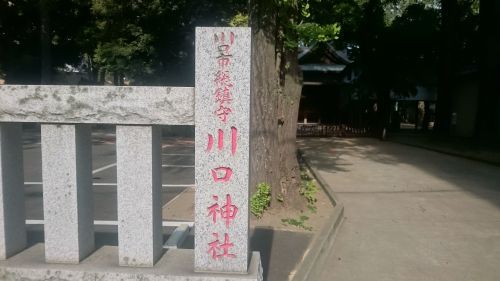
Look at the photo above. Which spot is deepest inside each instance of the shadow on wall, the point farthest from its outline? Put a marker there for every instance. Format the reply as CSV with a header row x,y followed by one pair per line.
x,y
104,235
184,131
261,240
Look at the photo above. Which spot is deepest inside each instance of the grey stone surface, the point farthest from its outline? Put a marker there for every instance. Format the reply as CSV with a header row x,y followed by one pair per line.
x,y
12,213
97,104
138,151
222,63
175,265
67,192
412,214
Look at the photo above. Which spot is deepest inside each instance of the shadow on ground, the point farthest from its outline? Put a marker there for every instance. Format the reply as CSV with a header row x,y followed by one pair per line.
x,y
332,155
280,251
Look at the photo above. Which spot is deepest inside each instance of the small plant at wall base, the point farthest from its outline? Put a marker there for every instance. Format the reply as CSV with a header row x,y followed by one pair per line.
x,y
260,200
300,222
308,189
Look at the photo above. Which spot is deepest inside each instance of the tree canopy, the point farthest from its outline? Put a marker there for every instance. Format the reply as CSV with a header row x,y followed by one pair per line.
x,y
395,45
151,41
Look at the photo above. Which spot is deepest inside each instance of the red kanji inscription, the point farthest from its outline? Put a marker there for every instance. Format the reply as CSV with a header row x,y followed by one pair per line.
x,y
222,112
214,209
221,38
220,140
227,212
215,247
223,79
225,248
223,95
222,174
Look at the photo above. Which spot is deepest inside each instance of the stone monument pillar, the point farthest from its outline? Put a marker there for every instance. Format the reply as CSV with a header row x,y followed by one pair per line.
x,y
222,118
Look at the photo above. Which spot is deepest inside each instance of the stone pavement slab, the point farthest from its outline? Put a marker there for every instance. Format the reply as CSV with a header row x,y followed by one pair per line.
x,y
464,147
411,214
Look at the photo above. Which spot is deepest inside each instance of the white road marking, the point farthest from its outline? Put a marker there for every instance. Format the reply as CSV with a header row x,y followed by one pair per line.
x,y
105,222
165,166
103,168
176,196
32,183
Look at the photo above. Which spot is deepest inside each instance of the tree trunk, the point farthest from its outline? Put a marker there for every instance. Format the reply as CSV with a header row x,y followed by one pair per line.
x,y
487,117
101,80
45,42
264,85
116,79
427,114
288,110
384,113
447,65
274,108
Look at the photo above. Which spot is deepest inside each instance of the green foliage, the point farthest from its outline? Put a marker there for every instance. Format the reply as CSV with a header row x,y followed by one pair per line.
x,y
300,222
304,11
393,42
125,45
20,35
299,27
308,189
260,200
312,208
132,57
147,41
399,56
396,8
312,32
239,20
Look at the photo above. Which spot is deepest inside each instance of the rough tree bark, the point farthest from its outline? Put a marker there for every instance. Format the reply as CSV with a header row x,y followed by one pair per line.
x,y
275,98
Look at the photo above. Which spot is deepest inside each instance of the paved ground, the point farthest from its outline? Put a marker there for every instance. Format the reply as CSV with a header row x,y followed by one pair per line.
x,y
465,147
178,172
411,214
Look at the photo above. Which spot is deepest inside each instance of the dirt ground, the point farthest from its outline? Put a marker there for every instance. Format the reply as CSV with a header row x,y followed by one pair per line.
x,y
273,218
182,209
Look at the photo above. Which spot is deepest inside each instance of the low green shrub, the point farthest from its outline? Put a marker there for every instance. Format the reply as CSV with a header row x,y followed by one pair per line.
x,y
308,189
260,200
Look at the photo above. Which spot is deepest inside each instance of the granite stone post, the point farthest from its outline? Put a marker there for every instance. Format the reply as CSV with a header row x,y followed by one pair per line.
x,y
12,213
97,104
68,204
138,150
222,121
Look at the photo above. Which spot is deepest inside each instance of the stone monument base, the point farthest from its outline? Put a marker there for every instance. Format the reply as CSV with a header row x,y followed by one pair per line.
x,y
174,265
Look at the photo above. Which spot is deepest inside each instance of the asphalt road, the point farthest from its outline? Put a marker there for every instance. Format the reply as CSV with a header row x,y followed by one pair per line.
x,y
177,175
